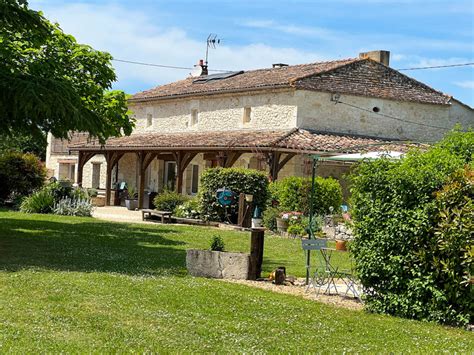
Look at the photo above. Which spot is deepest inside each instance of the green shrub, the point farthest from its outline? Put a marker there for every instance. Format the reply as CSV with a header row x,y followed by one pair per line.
x,y
294,194
59,189
169,200
217,243
296,229
269,218
238,180
45,199
20,174
189,209
41,201
92,192
414,233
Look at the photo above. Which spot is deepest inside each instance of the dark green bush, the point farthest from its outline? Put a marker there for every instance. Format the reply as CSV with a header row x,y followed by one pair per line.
x,y
20,174
414,232
294,194
169,200
238,180
217,243
269,218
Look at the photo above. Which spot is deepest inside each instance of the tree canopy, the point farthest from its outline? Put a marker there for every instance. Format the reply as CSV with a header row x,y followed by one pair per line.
x,y
51,83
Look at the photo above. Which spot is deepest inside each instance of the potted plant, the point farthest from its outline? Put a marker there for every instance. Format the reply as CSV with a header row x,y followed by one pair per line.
x,y
131,201
284,220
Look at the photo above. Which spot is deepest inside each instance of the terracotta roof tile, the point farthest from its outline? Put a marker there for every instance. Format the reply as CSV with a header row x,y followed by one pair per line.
x,y
296,140
253,79
370,78
363,77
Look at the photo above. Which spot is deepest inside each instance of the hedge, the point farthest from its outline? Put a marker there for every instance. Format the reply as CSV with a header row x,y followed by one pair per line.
x,y
294,194
238,180
414,231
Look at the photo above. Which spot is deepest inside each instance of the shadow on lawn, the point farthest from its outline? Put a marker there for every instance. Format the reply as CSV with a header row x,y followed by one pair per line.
x,y
88,246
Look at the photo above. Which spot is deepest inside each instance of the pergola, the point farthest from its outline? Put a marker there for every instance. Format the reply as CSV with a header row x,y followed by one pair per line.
x,y
277,147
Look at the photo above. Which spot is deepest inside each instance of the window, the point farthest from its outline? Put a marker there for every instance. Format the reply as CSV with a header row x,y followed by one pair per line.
x,y
195,179
247,115
170,175
95,175
149,120
194,117
67,171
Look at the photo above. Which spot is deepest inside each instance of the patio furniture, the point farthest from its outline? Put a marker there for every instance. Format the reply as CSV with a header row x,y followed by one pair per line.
x,y
325,274
164,215
346,276
320,276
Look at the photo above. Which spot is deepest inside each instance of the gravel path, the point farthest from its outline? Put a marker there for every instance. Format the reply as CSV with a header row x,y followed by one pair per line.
x,y
299,290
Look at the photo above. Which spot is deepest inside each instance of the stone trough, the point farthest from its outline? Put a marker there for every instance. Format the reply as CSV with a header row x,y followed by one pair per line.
x,y
218,264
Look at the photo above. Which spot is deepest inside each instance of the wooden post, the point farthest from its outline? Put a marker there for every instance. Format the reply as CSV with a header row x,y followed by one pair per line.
x,y
273,160
111,159
80,167
182,161
144,160
82,159
108,177
141,178
241,211
256,253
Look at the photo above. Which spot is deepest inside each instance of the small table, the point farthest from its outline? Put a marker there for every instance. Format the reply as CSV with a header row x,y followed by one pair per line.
x,y
334,274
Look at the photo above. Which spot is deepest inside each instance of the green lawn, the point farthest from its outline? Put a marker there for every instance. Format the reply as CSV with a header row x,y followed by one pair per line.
x,y
77,284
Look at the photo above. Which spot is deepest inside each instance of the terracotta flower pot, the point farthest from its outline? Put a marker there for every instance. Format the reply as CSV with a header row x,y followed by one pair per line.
x,y
282,225
341,245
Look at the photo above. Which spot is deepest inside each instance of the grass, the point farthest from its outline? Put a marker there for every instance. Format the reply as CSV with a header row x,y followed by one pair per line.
x,y
76,284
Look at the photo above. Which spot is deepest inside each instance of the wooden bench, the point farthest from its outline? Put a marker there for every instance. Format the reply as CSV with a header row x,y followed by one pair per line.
x,y
165,215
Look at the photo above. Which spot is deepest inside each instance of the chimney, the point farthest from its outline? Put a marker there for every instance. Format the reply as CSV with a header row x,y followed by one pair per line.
x,y
203,67
379,56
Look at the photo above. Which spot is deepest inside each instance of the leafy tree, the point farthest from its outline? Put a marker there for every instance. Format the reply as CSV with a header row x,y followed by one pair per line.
x,y
25,143
50,83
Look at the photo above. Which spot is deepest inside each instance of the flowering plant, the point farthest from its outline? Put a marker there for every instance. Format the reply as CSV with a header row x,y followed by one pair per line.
x,y
294,215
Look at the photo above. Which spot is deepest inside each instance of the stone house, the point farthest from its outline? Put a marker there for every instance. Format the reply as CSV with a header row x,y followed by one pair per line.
x,y
267,119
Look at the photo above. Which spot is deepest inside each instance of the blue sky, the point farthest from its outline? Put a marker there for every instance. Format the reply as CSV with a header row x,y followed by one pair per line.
x,y
257,33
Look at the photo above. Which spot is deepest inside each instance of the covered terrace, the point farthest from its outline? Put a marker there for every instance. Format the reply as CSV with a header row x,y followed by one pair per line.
x,y
222,148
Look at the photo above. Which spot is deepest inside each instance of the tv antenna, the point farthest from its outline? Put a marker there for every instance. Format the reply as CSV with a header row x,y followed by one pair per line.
x,y
211,42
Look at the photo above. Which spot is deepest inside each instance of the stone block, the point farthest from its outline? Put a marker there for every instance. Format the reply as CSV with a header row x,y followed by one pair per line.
x,y
217,264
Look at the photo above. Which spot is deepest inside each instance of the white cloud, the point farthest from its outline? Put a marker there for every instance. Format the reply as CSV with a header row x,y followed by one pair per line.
x,y
466,84
314,32
133,35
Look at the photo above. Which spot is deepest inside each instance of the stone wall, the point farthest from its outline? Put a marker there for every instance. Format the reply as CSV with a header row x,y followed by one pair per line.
x,y
316,111
224,112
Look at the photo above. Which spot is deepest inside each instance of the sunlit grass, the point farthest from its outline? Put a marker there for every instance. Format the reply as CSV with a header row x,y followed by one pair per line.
x,y
79,285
